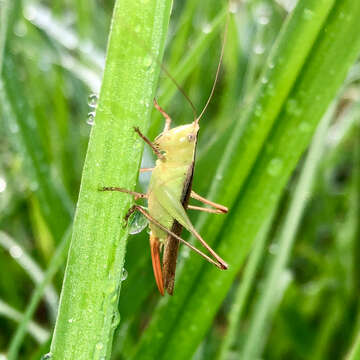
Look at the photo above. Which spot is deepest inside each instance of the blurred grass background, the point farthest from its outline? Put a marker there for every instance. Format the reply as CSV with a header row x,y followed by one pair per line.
x,y
52,56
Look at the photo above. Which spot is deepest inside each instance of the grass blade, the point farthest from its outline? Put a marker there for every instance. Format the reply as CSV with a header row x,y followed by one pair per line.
x,y
88,311
32,269
56,261
173,324
35,330
260,321
243,292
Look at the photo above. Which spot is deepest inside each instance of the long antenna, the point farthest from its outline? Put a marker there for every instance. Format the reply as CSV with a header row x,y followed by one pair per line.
x,y
217,71
164,69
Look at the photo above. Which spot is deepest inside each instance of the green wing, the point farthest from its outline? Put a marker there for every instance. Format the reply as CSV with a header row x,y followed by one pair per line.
x,y
170,202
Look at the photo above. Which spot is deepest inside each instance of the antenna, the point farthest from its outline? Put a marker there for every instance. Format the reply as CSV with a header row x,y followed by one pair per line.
x,y
217,71
163,68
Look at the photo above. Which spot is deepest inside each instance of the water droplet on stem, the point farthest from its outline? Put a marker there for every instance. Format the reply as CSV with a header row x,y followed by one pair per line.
x,y
137,223
92,100
124,274
91,118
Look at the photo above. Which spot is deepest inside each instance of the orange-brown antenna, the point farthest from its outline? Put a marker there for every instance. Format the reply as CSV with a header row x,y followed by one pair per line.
x,y
217,71
164,69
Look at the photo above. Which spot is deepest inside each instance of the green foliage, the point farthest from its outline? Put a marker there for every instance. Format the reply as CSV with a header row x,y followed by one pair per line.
x,y
296,296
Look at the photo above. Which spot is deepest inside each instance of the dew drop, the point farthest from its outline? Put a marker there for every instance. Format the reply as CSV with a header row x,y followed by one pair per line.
x,y
259,49
16,252
99,346
20,29
91,118
124,274
275,166
14,128
71,320
304,127
292,107
116,319
147,61
206,28
47,356
111,288
273,248
263,13
92,100
264,80
137,223
233,7
3,184
34,186
270,89
258,111
308,14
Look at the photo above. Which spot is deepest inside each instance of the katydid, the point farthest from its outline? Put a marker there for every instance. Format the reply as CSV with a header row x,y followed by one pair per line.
x,y
168,196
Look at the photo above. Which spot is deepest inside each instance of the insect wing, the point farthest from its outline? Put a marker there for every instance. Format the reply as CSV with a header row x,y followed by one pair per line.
x,y
173,206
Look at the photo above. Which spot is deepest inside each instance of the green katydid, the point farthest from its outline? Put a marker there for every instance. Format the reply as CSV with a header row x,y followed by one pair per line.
x,y
168,195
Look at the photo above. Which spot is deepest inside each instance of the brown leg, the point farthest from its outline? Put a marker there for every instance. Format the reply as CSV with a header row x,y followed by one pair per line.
x,y
134,193
164,114
220,264
146,170
156,150
199,208
221,208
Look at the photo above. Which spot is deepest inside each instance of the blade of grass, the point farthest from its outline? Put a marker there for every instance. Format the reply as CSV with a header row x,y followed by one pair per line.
x,y
31,268
35,330
41,17
57,260
243,292
55,204
88,312
260,320
4,13
239,156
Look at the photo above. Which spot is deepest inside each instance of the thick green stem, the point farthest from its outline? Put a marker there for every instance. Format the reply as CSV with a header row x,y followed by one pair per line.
x,y
88,312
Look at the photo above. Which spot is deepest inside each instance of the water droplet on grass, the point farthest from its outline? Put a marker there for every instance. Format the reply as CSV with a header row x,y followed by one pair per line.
x,y
206,28
308,14
275,166
16,252
304,126
233,7
99,346
3,184
47,356
124,274
116,319
259,49
91,118
92,100
147,61
137,223
292,107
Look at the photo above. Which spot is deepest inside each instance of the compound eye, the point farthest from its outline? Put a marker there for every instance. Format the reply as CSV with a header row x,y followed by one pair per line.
x,y
191,137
